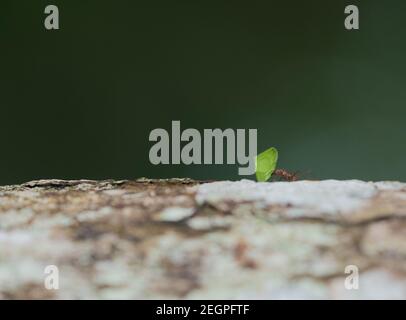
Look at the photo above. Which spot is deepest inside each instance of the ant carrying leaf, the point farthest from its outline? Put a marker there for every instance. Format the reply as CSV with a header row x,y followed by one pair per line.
x,y
265,167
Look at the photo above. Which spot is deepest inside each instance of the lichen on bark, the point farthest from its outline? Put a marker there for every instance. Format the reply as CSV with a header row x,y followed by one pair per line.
x,y
179,238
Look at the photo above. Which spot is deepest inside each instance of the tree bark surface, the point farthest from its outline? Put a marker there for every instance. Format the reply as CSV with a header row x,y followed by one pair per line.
x,y
184,239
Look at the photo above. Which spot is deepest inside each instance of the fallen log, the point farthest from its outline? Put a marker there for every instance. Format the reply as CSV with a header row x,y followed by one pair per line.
x,y
179,238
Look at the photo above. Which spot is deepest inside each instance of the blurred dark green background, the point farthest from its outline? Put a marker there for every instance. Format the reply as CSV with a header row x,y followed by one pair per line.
x,y
80,102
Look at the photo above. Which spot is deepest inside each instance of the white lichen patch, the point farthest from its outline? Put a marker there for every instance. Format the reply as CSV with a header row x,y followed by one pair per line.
x,y
173,214
208,223
15,218
94,215
328,197
375,284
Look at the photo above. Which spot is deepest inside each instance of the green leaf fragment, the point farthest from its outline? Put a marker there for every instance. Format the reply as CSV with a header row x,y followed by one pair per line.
x,y
265,164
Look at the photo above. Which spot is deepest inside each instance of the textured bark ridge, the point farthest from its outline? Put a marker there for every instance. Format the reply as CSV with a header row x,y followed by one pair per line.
x,y
179,238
